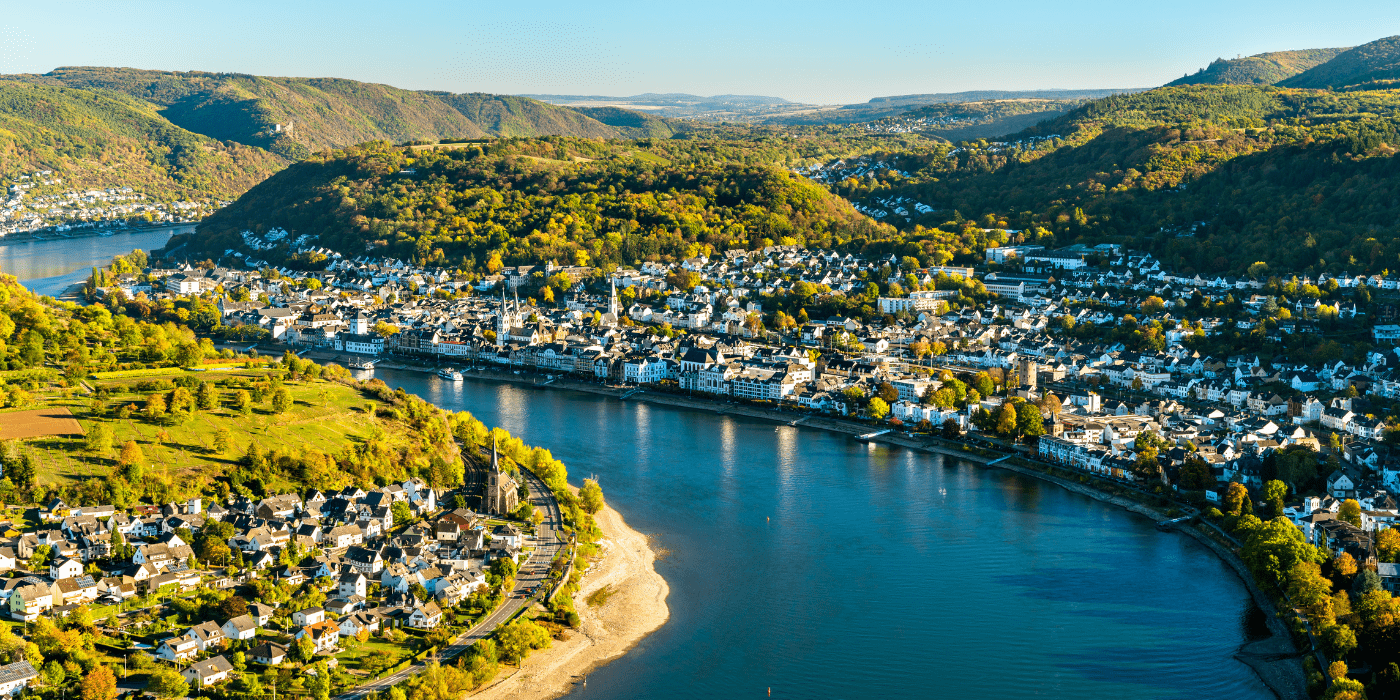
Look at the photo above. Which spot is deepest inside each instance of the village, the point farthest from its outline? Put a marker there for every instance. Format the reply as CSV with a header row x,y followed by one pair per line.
x,y
934,333
51,208
356,574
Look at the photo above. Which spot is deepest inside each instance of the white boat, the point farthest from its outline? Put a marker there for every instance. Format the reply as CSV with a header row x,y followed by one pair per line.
x,y
450,374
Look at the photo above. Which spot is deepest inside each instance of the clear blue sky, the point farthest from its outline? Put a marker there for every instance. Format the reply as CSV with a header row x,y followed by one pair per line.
x,y
812,51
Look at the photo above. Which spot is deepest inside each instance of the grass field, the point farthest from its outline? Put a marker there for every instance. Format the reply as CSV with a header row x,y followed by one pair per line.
x,y
324,416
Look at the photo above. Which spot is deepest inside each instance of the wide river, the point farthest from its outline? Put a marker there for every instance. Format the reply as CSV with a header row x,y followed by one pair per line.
x,y
51,266
822,567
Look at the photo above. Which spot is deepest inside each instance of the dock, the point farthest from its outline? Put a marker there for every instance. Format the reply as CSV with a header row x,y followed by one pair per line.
x,y
630,394
872,436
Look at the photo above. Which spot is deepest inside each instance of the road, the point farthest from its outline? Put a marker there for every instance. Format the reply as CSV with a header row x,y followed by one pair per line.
x,y
535,572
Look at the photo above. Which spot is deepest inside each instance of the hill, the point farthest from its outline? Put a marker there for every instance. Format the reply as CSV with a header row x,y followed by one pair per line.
x,y
632,124
298,116
92,139
989,95
1212,178
1260,69
1376,62
520,201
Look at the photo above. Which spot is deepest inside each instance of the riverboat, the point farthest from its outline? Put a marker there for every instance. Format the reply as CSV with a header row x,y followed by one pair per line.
x,y
450,374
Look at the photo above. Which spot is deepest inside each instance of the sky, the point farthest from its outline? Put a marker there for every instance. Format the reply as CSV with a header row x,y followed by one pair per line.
x,y
814,52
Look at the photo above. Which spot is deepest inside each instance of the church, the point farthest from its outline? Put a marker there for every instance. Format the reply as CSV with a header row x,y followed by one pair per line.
x,y
502,495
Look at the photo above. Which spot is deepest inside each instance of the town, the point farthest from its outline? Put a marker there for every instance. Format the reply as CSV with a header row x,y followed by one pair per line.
x,y
51,208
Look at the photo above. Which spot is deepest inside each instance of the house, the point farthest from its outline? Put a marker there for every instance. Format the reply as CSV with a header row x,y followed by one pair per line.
x,y
209,634
241,628
325,635
353,583
30,599
352,624
261,613
185,646
425,616
208,672
65,568
15,677
269,654
366,561
1390,578
309,616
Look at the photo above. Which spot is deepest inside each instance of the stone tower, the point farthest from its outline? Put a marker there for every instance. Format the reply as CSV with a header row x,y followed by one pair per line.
x,y
1027,371
502,495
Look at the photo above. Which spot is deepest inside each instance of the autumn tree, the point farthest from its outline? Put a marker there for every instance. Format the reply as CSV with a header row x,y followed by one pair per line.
x,y
1006,420
591,496
131,454
878,408
1350,512
281,400
99,684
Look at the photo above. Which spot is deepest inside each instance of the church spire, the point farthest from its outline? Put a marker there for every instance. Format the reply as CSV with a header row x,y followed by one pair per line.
x,y
495,463
612,298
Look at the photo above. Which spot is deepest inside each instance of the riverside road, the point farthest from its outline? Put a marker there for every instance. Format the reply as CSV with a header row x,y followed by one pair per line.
x,y
534,573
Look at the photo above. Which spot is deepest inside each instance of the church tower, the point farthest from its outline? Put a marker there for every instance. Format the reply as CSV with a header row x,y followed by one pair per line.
x,y
612,298
502,495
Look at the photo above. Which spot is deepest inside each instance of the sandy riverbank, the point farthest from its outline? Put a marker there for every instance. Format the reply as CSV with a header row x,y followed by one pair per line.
x,y
636,608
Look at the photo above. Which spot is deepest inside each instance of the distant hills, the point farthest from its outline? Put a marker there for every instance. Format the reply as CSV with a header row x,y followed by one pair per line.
x,y
986,95
173,135
1370,66
1376,64
1260,69
102,139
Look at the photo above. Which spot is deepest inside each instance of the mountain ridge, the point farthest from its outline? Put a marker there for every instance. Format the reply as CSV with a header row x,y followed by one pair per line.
x,y
1259,69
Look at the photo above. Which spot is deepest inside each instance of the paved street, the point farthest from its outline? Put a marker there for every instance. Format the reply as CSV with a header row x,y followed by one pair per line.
x,y
533,573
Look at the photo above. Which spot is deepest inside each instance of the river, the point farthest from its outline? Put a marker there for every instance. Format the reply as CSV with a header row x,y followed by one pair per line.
x,y
819,566
51,266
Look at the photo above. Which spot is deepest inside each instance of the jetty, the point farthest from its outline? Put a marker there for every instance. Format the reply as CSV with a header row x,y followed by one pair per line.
x,y
877,433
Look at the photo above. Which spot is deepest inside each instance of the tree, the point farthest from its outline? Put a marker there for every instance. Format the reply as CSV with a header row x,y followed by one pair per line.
x,y
1028,420
1388,545
1194,474
221,440
951,429
281,400
878,408
1235,497
320,684
1153,305
516,639
99,684
131,454
99,439
303,650
1274,493
591,496
204,396
1350,512
983,384
401,512
155,407
887,392
166,682
1006,420
243,401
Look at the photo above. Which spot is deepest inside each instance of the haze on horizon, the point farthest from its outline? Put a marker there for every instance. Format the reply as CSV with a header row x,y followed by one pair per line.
x,y
813,52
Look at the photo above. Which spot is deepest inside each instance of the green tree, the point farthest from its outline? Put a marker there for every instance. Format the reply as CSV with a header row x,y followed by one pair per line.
x,y
281,400
222,440
243,401
1029,421
516,639
401,512
166,682
303,650
155,407
99,439
1235,497
204,396
878,408
1274,493
591,496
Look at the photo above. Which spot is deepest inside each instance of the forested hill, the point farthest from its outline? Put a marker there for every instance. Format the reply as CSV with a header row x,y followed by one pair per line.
x,y
92,139
516,201
1376,64
1260,69
1213,178
315,114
